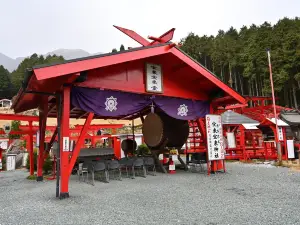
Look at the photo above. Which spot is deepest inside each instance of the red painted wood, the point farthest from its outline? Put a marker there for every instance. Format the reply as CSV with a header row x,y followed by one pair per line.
x,y
18,117
83,65
31,159
133,35
164,38
208,75
42,129
79,143
117,147
64,155
130,77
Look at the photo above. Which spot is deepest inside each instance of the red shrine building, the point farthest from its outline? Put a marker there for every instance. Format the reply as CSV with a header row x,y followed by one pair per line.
x,y
121,85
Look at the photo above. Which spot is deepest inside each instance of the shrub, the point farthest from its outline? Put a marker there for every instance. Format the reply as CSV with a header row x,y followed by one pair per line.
x,y
31,177
143,150
47,167
15,127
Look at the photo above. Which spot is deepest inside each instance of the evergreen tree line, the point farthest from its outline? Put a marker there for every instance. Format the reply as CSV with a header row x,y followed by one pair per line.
x,y
239,58
122,48
10,83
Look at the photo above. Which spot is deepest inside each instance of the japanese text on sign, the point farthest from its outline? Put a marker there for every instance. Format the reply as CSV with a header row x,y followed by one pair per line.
x,y
66,144
154,78
280,134
215,147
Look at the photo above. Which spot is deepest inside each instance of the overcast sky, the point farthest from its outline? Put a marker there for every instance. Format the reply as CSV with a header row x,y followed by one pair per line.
x,y
29,26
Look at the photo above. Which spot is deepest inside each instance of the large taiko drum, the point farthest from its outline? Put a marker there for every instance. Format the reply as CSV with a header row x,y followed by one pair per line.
x,y
161,130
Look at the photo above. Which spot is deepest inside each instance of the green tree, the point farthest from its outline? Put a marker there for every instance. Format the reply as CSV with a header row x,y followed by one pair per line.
x,y
114,50
122,48
4,82
17,76
15,124
240,60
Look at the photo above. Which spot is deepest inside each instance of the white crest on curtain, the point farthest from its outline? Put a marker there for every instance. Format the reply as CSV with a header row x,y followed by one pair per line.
x,y
182,110
111,104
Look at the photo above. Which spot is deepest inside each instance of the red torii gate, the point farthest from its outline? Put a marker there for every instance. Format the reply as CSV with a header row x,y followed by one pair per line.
x,y
49,88
30,120
30,132
75,130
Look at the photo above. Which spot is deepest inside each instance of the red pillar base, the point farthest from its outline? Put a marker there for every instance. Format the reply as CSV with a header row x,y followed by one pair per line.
x,y
64,195
39,178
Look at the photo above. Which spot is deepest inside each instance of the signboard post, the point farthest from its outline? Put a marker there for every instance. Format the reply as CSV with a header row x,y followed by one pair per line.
x,y
66,144
214,133
280,134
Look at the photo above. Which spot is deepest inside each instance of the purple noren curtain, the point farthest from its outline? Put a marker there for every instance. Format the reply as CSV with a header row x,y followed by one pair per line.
x,y
109,103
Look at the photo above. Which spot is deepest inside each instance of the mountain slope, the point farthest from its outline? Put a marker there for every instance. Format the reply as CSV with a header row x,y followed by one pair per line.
x,y
69,53
9,63
12,64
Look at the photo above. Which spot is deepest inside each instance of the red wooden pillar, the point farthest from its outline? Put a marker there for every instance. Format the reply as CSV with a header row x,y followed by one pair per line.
x,y
80,142
273,127
42,129
117,147
243,142
31,159
284,144
64,143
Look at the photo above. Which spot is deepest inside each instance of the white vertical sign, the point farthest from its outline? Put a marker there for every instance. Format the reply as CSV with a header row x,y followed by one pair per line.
x,y
214,131
231,140
38,139
4,144
290,148
154,80
66,144
280,134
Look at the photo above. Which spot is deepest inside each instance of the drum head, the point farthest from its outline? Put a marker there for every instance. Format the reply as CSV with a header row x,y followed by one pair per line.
x,y
153,130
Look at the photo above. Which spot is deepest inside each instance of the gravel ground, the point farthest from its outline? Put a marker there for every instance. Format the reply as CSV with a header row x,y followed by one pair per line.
x,y
246,194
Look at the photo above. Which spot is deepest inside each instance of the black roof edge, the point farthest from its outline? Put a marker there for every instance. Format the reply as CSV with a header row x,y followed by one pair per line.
x,y
99,56
27,76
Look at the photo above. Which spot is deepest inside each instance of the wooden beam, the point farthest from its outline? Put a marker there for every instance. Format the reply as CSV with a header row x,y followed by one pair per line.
x,y
42,131
51,107
80,142
83,115
19,117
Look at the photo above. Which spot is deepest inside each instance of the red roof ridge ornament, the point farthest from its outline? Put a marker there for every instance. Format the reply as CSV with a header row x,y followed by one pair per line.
x,y
164,38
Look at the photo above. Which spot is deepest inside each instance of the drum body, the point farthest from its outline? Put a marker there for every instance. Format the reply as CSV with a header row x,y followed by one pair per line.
x,y
161,130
